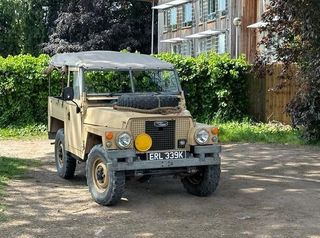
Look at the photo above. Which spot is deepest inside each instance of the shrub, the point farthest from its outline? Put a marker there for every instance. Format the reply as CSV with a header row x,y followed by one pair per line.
x,y
216,85
23,90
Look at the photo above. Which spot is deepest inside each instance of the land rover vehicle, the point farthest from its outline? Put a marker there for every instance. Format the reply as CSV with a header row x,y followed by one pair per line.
x,y
125,115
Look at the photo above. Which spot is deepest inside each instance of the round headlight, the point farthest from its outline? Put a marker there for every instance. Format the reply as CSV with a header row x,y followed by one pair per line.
x,y
202,136
124,140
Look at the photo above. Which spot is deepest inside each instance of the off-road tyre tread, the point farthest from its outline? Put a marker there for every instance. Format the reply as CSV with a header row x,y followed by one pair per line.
x,y
209,183
70,163
117,180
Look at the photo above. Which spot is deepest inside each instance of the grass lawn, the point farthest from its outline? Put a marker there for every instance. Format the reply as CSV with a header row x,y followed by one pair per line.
x,y
259,133
229,132
24,132
12,168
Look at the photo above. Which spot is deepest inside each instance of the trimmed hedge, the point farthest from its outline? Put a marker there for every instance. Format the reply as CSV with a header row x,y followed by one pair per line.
x,y
216,86
23,90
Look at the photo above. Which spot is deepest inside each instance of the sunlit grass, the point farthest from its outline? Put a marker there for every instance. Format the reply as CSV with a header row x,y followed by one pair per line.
x,y
258,133
24,132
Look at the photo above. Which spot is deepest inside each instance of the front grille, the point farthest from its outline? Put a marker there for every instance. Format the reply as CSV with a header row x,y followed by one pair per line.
x,y
180,129
163,138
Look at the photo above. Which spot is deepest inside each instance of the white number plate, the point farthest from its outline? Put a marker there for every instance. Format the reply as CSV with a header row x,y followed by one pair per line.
x,y
167,155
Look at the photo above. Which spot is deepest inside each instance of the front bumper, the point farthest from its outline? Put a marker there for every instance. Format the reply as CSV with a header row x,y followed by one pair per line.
x,y
201,156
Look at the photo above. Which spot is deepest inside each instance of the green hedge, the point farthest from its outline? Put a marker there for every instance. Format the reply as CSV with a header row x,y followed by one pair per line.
x,y
23,90
216,85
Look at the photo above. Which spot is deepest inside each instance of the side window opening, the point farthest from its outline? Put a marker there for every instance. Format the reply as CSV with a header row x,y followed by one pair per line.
x,y
73,81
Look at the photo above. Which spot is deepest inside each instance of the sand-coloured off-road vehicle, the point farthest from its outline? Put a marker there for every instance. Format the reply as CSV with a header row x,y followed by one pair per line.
x,y
125,115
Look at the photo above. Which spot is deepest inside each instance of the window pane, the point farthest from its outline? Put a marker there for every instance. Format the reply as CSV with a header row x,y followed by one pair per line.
x,y
76,85
215,43
222,44
186,48
222,5
155,81
209,43
211,6
176,48
165,18
187,12
201,10
173,16
202,45
107,82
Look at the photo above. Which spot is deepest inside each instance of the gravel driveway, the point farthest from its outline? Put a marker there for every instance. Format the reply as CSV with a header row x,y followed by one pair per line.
x,y
265,191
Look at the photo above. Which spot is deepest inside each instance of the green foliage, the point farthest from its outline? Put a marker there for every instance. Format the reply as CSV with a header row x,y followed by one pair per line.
x,y
29,25
292,33
101,25
9,27
24,90
216,85
251,132
24,132
33,26
23,26
107,81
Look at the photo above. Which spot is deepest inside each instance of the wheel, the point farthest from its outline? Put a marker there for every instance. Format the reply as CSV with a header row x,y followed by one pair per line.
x,y
66,165
203,183
105,185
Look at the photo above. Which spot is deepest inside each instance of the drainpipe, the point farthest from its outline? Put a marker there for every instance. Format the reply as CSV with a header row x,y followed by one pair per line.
x,y
237,23
195,27
152,29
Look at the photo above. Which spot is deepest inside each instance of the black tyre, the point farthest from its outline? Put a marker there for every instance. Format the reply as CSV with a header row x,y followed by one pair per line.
x,y
66,165
106,186
203,183
147,101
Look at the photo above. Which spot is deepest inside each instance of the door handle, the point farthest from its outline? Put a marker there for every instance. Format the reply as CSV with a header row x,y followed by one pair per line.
x,y
69,116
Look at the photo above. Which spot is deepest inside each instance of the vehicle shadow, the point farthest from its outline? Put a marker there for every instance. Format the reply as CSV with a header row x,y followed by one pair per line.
x,y
265,191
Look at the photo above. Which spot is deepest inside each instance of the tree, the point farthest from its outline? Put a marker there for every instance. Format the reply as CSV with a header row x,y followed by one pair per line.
x,y
33,26
24,25
293,31
101,25
9,27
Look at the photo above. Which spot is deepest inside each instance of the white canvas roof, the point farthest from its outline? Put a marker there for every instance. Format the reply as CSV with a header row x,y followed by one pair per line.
x,y
108,60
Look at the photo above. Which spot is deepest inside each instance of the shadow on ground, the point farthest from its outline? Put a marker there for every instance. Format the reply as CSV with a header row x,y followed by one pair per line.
x,y
265,191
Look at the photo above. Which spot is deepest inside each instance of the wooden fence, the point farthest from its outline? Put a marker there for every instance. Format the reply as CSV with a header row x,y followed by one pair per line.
x,y
267,104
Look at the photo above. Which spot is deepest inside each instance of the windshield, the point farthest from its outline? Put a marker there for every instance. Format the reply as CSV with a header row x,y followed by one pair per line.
x,y
118,82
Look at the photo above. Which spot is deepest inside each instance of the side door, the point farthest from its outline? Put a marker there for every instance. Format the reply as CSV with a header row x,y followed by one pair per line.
x,y
73,119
